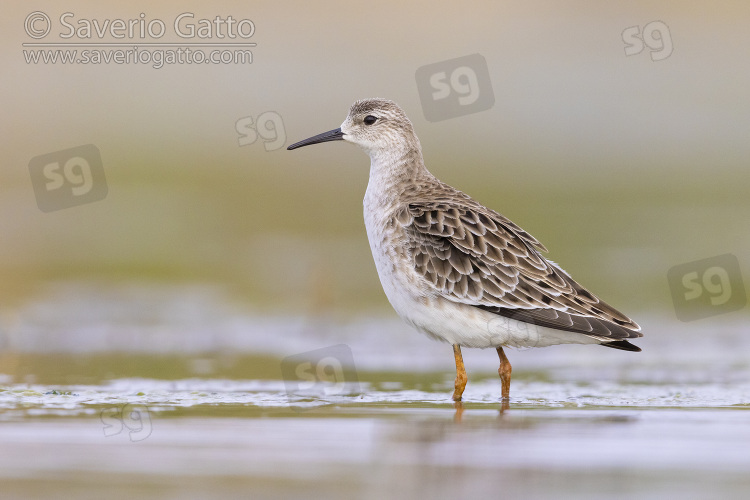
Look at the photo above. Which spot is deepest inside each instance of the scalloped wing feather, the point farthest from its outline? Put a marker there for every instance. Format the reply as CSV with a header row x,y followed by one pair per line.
x,y
473,255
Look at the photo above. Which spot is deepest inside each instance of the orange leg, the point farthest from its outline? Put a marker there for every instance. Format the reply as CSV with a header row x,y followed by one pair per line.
x,y
460,373
504,372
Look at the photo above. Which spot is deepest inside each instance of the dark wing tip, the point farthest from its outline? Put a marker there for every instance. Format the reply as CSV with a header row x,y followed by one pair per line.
x,y
622,344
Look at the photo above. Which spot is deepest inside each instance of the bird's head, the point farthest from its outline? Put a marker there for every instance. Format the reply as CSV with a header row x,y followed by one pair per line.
x,y
376,125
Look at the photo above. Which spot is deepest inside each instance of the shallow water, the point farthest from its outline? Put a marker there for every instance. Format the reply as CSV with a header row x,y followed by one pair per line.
x,y
179,393
190,438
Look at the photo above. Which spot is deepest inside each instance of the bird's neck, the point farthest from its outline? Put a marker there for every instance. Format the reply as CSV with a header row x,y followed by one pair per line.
x,y
391,172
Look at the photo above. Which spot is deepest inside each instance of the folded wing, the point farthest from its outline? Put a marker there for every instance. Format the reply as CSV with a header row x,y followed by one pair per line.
x,y
475,256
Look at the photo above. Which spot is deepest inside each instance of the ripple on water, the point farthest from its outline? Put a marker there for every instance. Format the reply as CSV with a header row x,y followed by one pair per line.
x,y
161,395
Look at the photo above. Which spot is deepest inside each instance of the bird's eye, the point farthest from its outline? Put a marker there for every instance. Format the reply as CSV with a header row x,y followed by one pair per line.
x,y
369,120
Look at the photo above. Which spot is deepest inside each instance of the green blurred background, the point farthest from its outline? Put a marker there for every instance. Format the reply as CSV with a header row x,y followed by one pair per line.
x,y
622,166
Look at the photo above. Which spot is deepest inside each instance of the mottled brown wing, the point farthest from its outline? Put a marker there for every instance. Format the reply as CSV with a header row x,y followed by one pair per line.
x,y
476,256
